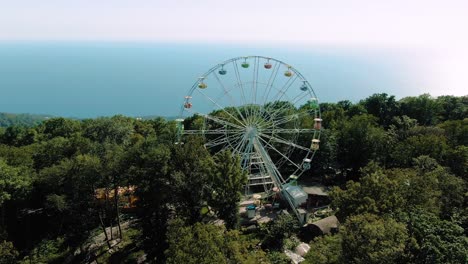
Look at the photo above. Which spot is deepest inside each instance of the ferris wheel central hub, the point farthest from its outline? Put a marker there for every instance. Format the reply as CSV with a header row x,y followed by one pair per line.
x,y
251,132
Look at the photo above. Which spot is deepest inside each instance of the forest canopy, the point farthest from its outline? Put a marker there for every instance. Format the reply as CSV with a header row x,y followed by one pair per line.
x,y
397,168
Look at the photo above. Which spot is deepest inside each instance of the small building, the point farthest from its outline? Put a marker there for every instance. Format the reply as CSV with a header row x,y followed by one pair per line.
x,y
328,225
127,197
317,196
297,195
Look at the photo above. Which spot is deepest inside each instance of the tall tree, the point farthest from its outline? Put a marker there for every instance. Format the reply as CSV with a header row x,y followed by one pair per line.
x,y
228,180
382,106
206,243
149,166
370,239
60,127
325,250
434,240
422,108
191,169
452,107
359,141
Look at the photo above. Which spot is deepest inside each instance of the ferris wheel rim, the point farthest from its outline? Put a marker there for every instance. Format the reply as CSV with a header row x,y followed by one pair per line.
x,y
278,63
217,66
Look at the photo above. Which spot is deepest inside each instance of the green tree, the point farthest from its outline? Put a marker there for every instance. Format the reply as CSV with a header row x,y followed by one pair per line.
x,y
432,145
60,127
191,169
369,239
228,180
435,240
240,248
52,152
422,108
68,191
452,107
18,136
17,156
149,166
456,131
333,115
52,251
452,189
194,244
390,192
113,175
116,129
457,161
325,250
275,232
359,141
206,243
382,106
8,253
375,193
15,182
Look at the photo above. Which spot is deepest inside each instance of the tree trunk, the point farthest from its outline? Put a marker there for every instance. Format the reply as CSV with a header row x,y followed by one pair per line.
x,y
104,229
116,205
111,222
100,219
2,224
111,231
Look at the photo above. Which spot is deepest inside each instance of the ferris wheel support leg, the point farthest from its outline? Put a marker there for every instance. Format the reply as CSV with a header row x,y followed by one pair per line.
x,y
276,177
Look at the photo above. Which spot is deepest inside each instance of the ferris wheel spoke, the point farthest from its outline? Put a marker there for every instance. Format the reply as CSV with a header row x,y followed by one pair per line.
x,y
221,140
282,91
283,141
239,82
276,112
271,80
255,83
299,97
290,118
286,119
209,132
238,147
279,152
288,131
216,142
269,87
233,102
286,88
253,92
220,107
270,110
254,79
247,154
216,119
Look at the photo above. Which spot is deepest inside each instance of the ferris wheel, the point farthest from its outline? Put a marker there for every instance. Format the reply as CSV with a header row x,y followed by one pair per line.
x,y
261,109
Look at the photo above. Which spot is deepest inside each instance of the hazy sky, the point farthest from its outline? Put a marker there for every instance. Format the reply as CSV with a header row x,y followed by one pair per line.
x,y
427,36
345,22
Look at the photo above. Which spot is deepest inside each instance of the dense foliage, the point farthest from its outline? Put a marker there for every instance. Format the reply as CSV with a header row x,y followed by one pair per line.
x,y
398,167
8,119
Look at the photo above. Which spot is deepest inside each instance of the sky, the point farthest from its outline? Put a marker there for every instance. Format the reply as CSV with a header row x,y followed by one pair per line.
x,y
335,22
422,44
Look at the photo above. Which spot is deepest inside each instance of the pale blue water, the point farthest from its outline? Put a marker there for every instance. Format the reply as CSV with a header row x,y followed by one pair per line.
x,y
139,79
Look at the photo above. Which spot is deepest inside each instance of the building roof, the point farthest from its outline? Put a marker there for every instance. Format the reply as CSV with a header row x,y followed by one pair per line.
x,y
315,190
326,224
295,192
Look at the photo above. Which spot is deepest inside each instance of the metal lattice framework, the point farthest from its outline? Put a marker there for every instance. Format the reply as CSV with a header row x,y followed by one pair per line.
x,y
261,109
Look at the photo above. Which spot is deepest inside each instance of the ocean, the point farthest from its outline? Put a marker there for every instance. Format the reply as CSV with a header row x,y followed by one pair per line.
x,y
141,79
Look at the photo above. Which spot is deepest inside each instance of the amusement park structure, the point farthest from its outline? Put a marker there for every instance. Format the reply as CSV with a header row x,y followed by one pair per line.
x,y
263,110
